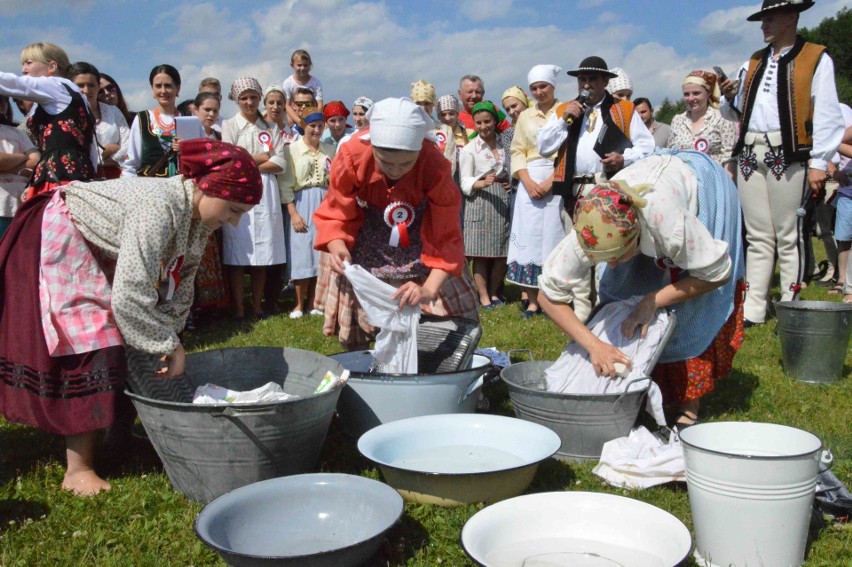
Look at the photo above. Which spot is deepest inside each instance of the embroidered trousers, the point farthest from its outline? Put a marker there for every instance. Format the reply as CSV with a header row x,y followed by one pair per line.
x,y
771,192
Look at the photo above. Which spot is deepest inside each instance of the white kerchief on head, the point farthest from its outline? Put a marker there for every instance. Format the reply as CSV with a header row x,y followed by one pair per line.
x,y
398,123
546,73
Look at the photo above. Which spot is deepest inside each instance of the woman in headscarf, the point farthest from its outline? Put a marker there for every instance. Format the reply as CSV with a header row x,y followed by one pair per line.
x,y
484,165
94,267
393,208
702,126
258,241
515,101
536,220
668,228
61,122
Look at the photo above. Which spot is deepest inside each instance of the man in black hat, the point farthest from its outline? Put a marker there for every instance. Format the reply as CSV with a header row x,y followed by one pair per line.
x,y
572,132
791,126
574,129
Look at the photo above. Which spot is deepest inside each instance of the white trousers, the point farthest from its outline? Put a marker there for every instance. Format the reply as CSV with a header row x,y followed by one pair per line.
x,y
769,207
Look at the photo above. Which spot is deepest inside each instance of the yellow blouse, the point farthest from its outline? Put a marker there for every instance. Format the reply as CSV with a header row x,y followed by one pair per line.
x,y
305,168
523,147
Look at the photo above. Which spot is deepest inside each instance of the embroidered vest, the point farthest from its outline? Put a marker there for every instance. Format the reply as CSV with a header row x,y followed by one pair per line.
x,y
796,70
614,113
154,149
64,140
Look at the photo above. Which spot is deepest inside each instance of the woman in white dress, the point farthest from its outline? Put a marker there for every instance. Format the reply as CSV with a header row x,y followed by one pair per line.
x,y
258,241
536,217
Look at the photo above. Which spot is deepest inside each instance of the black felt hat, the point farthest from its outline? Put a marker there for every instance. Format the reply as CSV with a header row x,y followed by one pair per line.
x,y
593,64
769,5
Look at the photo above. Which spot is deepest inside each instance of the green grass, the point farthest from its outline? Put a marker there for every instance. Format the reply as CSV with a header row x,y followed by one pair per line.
x,y
143,521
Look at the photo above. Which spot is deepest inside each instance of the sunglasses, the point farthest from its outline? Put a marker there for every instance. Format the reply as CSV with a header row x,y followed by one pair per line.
x,y
303,103
108,89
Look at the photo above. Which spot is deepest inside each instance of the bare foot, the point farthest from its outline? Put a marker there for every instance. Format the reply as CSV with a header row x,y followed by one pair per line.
x,y
84,483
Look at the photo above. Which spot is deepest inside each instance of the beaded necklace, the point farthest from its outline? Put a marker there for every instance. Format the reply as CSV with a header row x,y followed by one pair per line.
x,y
161,128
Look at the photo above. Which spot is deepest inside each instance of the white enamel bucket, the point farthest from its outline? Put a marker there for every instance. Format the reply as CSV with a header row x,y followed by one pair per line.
x,y
751,487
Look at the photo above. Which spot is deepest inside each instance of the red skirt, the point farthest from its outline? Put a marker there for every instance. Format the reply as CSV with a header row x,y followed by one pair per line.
x,y
66,395
691,379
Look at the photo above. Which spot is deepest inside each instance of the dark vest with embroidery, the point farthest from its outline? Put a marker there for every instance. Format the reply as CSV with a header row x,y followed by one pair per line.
x,y
154,147
796,70
64,140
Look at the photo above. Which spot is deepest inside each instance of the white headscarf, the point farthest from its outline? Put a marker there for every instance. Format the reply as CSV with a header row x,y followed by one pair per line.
x,y
619,83
398,123
546,73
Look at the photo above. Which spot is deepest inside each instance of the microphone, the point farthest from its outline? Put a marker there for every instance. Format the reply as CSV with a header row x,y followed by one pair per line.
x,y
584,96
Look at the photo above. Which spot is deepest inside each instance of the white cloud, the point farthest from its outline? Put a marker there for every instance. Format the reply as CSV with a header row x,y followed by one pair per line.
x,y
479,11
607,18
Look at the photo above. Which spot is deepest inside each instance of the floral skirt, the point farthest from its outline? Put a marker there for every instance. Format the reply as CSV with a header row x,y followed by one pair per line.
x,y
693,378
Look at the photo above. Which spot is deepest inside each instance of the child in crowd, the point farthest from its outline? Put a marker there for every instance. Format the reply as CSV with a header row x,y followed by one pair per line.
x,y
303,186
301,64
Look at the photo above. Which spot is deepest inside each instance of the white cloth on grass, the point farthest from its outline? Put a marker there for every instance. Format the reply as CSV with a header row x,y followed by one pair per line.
x,y
573,372
641,460
396,344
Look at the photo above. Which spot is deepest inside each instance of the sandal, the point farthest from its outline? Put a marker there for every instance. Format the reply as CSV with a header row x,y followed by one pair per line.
x,y
837,289
685,419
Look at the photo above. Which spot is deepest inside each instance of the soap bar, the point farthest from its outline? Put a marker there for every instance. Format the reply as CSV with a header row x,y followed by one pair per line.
x,y
621,369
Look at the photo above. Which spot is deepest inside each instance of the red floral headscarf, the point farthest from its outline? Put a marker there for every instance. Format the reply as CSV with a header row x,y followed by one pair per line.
x,y
221,170
606,221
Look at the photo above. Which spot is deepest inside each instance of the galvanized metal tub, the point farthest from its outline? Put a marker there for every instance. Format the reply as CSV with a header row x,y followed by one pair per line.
x,y
584,422
372,399
210,450
814,339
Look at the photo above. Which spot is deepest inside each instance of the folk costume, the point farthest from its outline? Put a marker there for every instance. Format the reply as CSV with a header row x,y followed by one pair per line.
x,y
149,153
63,128
686,222
398,230
790,120
486,210
578,167
94,267
536,226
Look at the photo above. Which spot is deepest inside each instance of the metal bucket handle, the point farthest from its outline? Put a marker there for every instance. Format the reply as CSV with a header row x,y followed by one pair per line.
x,y
826,460
471,388
627,391
233,411
518,350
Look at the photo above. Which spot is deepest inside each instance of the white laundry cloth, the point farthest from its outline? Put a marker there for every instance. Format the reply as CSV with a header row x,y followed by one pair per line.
x,y
211,394
641,460
395,351
573,372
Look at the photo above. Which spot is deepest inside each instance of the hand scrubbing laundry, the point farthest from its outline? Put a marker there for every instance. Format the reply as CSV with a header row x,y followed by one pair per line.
x,y
573,372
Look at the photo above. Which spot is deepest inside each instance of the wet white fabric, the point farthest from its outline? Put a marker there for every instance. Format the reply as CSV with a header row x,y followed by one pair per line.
x,y
395,351
573,372
640,460
211,394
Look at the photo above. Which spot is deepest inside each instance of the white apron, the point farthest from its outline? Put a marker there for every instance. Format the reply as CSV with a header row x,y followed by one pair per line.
x,y
259,238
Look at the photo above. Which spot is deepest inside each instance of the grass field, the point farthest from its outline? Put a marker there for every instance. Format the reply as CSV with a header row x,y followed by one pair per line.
x,y
143,521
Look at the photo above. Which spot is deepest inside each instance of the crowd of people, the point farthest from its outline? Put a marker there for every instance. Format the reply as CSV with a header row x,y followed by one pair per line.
x,y
579,201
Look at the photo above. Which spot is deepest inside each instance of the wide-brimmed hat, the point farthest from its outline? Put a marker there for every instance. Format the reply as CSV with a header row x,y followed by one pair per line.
x,y
593,64
769,5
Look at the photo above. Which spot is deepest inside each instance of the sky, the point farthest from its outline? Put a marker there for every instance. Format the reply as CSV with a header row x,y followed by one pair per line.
x,y
378,48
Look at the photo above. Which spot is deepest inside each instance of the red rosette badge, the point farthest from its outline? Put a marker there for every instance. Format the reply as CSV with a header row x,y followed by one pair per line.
x,y
398,216
701,145
265,138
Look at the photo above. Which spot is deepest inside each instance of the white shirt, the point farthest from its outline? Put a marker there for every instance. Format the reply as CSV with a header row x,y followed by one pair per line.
x,y
828,122
290,85
476,160
553,134
669,225
48,92
112,129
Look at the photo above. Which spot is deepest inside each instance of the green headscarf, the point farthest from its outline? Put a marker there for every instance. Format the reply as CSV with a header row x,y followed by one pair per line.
x,y
490,107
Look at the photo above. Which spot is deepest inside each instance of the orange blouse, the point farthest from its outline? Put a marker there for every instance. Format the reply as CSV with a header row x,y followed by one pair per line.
x,y
355,175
